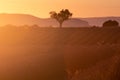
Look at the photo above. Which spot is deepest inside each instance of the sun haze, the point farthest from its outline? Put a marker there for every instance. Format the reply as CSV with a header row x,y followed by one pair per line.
x,y
80,8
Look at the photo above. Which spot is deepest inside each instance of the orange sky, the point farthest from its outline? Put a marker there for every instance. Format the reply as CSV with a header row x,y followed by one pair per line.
x,y
79,8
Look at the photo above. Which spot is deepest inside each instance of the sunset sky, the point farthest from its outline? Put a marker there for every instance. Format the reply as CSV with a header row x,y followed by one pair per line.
x,y
80,8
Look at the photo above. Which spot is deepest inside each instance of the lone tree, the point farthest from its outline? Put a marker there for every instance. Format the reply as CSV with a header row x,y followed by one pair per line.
x,y
62,16
110,23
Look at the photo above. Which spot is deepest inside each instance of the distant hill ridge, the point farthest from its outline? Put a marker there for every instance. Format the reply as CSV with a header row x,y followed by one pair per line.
x,y
25,19
98,21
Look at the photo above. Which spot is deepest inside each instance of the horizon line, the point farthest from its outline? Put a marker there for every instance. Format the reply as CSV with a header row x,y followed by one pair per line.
x,y
49,17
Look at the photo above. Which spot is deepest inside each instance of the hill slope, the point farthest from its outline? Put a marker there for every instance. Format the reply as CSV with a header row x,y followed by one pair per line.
x,y
45,53
65,36
24,19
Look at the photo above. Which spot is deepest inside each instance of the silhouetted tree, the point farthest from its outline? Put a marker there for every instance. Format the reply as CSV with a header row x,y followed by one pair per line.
x,y
110,23
61,16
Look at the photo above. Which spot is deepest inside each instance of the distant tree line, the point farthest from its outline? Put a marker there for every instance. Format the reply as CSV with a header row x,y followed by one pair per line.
x,y
111,23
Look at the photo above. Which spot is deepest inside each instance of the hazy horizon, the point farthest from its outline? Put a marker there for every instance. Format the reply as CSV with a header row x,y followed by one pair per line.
x,y
82,8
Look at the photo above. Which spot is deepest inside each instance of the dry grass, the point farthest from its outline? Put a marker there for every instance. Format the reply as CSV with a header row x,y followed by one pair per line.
x,y
99,66
84,53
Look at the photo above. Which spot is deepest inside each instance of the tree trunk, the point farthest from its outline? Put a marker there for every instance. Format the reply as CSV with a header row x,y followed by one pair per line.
x,y
60,25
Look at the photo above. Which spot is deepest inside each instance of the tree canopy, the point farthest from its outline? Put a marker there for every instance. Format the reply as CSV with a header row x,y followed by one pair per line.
x,y
63,15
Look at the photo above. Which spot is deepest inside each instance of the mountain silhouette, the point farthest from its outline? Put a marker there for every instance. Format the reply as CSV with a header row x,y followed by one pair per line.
x,y
98,21
25,19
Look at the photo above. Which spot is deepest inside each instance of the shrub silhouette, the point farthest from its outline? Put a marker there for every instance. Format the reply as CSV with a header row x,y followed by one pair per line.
x,y
110,23
61,16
